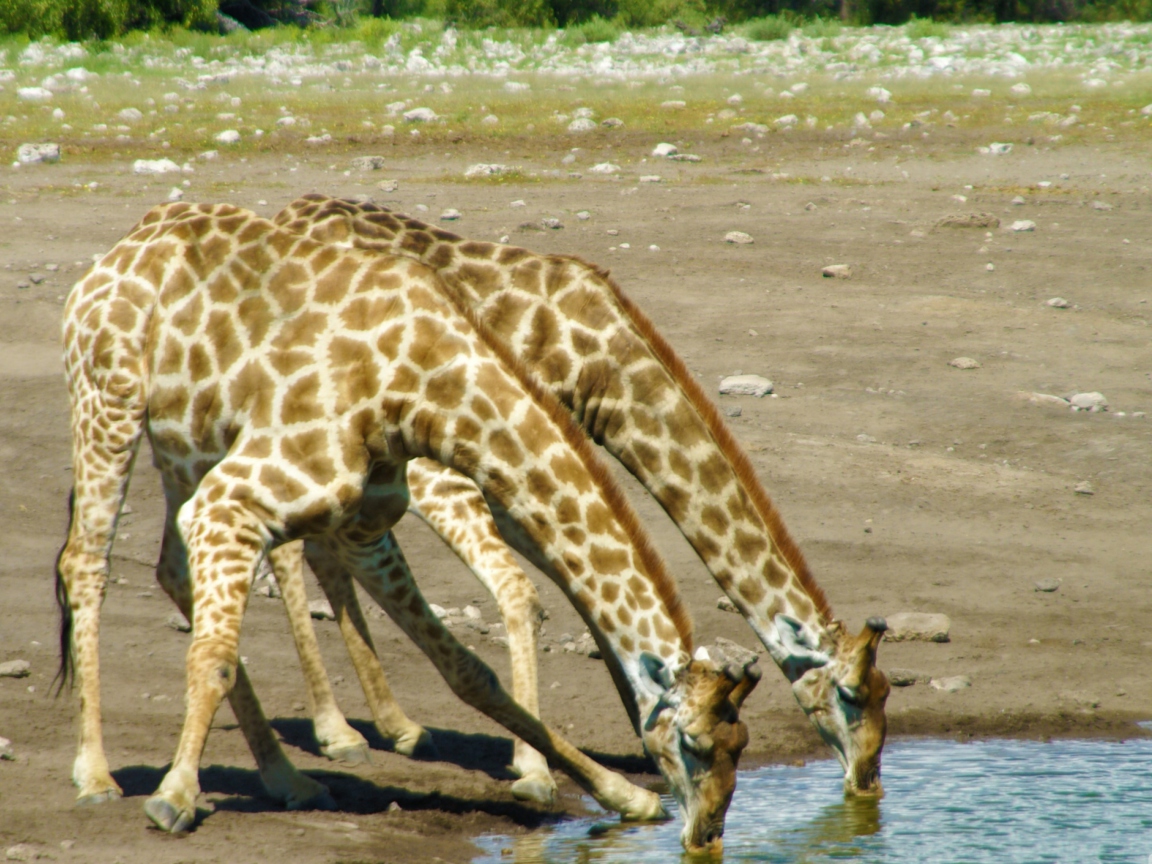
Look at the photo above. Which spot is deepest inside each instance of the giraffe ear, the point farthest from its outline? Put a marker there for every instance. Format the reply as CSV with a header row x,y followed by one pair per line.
x,y
656,673
798,643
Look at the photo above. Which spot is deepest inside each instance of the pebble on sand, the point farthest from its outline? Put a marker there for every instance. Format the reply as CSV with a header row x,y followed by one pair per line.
x,y
155,166
1058,303
450,215
905,677
738,237
964,363
488,169
30,154
837,271
1022,225
1083,488
725,604
1043,399
177,621
951,684
1093,402
1047,585
228,136
745,385
664,150
970,220
368,163
321,610
15,669
6,750
420,115
917,627
604,168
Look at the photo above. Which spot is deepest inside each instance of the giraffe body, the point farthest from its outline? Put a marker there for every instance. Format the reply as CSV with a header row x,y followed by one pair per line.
x,y
284,386
584,340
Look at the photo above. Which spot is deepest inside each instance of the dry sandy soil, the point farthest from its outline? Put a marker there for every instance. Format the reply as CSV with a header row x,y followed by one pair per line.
x,y
910,484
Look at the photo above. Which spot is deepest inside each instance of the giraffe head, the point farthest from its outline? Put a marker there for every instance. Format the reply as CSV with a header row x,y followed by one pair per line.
x,y
844,697
696,736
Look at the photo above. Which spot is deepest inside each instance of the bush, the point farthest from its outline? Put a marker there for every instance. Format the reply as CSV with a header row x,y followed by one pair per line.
x,y
497,13
101,19
595,29
767,29
653,13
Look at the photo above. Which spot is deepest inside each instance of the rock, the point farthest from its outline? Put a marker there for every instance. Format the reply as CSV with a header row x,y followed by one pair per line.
x,y
981,93
735,99
316,140
175,194
1101,205
155,166
438,611
421,115
321,610
583,215
228,136
879,94
395,807
450,215
787,120
582,124
1047,585
810,206
285,121
15,669
1093,402
612,123
269,589
745,385
917,627
517,86
725,604
668,105
837,271
30,154
388,185
970,220
651,178
551,223
904,677
1146,111
664,150
6,753
740,238
1018,200
951,685
209,155
997,148
486,169
472,612
685,157
604,168
751,128
734,411
33,94
1042,399
22,852
1022,225
490,120
130,115
368,163
1020,89
177,621
1058,303
964,363
1083,488
725,651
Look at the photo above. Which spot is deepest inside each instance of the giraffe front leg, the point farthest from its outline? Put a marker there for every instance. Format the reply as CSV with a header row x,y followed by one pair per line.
x,y
408,738
382,570
337,740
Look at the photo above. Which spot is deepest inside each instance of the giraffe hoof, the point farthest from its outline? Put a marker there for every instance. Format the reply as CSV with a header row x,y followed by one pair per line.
x,y
421,747
526,789
357,754
167,817
99,798
321,801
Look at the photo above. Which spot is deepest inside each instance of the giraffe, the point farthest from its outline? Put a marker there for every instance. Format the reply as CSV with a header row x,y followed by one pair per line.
x,y
284,386
586,341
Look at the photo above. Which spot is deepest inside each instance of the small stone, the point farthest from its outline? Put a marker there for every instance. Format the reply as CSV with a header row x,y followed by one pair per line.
x,y
155,166
317,140
734,411
321,610
6,753
33,94
582,124
738,237
583,215
725,604
1023,225
1083,488
175,194
450,215
1047,585
1018,200
1058,303
22,852
208,155
964,363
491,120
29,154
551,223
745,385
997,148
952,684
472,612
904,677
568,159
36,279
604,168
368,163
395,807
612,123
228,136
668,105
989,266
1020,89
970,220
269,589
486,169
651,178
918,627
420,115
727,651
1101,205
664,150
685,157
879,94
837,271
809,206
15,669
67,844
130,115
388,185
177,621
1043,399
1093,402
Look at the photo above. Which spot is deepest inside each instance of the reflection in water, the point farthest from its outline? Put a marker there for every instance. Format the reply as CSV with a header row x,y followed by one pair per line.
x,y
986,802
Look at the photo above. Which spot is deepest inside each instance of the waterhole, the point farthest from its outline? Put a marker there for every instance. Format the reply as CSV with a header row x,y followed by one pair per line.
x,y
1071,802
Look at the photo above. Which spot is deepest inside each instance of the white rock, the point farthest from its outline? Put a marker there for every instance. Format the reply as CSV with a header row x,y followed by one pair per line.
x,y
450,215
582,124
917,627
485,169
1058,303
1083,488
421,115
1020,89
837,271
130,115
1146,110
321,610
735,99
490,120
286,121
738,237
1092,401
368,163
33,94
669,105
1018,200
651,178
472,612
725,604
751,128
787,120
314,139
57,113
584,113
28,154
155,166
1101,205
611,122
517,86
860,121
388,185
685,157
209,155
952,684
664,149
980,93
6,750
879,94
799,87
177,621
583,215
1042,399
175,194
1047,585
228,136
745,385
23,852
964,363
437,610
1022,225
604,168
15,669
999,148
80,74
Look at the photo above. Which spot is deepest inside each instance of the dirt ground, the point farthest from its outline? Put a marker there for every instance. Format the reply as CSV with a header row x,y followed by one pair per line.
x,y
911,485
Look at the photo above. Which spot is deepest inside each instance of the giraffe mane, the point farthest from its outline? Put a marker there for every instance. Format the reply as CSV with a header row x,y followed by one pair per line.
x,y
723,437
665,586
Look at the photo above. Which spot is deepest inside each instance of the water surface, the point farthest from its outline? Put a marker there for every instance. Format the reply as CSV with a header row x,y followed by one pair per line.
x,y
987,802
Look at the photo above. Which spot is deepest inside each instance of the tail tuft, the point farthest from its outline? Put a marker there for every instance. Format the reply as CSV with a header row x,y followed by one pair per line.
x,y
66,672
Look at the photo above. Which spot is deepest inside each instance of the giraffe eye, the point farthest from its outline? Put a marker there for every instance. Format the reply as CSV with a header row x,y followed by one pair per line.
x,y
850,696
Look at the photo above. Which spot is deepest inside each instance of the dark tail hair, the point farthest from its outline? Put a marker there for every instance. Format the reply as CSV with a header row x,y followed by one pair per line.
x,y
66,672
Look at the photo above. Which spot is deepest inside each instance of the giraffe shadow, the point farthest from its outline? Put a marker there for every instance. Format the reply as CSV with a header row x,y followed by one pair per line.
x,y
240,791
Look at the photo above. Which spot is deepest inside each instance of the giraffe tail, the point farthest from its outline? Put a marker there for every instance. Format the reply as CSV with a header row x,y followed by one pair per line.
x,y
66,672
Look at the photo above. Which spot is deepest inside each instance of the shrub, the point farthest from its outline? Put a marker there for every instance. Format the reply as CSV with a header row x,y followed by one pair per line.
x,y
496,13
595,29
101,19
768,29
